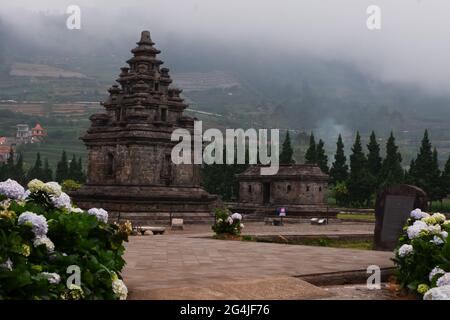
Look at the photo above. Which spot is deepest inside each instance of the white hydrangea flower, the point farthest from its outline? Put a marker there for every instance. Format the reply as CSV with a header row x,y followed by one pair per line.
x,y
437,240
120,289
12,190
242,225
405,250
444,280
414,230
76,210
35,185
438,293
439,217
100,214
436,229
435,271
62,201
444,234
446,222
52,188
419,214
44,240
230,220
52,277
8,264
236,216
38,222
219,220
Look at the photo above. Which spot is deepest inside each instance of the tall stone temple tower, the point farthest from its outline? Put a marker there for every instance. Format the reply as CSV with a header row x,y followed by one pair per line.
x,y
130,172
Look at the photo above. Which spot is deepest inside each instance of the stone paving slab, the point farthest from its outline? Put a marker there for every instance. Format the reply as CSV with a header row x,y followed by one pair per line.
x,y
177,261
282,288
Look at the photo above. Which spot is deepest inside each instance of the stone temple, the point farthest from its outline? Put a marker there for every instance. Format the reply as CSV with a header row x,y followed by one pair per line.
x,y
130,172
300,188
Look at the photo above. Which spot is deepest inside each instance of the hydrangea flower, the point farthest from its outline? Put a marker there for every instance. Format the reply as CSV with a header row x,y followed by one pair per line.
x,y
437,240
444,280
120,289
38,223
8,264
236,216
439,217
75,293
429,220
76,210
52,277
12,190
419,214
435,271
414,230
436,229
405,250
230,220
422,288
242,225
444,234
100,214
35,185
62,201
44,240
438,293
52,188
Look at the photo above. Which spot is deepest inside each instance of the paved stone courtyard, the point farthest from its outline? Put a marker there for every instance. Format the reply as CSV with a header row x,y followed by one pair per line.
x,y
186,265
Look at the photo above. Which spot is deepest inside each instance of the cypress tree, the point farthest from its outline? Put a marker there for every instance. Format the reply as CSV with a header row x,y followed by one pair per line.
x,y
359,186
391,170
437,189
339,168
445,177
36,172
81,176
373,157
321,157
310,155
73,169
48,173
286,151
424,166
62,168
19,172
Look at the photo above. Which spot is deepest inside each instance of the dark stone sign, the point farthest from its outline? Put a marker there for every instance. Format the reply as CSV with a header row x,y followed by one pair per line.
x,y
392,209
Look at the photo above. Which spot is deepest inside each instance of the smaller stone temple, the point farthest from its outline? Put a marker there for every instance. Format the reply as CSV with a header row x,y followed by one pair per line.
x,y
300,188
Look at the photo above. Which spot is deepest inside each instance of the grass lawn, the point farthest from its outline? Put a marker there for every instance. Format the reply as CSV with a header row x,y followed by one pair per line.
x,y
357,216
346,244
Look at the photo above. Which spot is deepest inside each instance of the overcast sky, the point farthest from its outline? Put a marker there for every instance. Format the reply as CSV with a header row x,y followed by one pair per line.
x,y
413,44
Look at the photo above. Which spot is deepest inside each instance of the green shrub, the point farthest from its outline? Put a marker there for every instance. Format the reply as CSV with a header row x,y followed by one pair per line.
x,y
43,237
227,223
70,185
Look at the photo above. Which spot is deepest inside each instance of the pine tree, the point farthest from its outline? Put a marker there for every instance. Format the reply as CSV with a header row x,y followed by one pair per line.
x,y
437,189
62,168
48,173
36,172
81,176
310,155
339,168
321,157
374,161
359,184
391,169
286,151
19,172
373,157
423,175
73,169
445,177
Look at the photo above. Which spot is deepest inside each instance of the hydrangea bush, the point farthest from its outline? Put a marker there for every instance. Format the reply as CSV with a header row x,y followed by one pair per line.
x,y
43,236
227,223
422,257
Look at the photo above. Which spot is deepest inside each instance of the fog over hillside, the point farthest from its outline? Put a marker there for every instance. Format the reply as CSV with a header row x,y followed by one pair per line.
x,y
303,65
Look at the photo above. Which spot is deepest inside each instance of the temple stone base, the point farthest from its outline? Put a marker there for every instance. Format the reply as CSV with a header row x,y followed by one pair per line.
x,y
144,205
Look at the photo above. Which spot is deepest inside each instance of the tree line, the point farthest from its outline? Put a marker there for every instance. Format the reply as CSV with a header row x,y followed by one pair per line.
x,y
357,182
14,169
